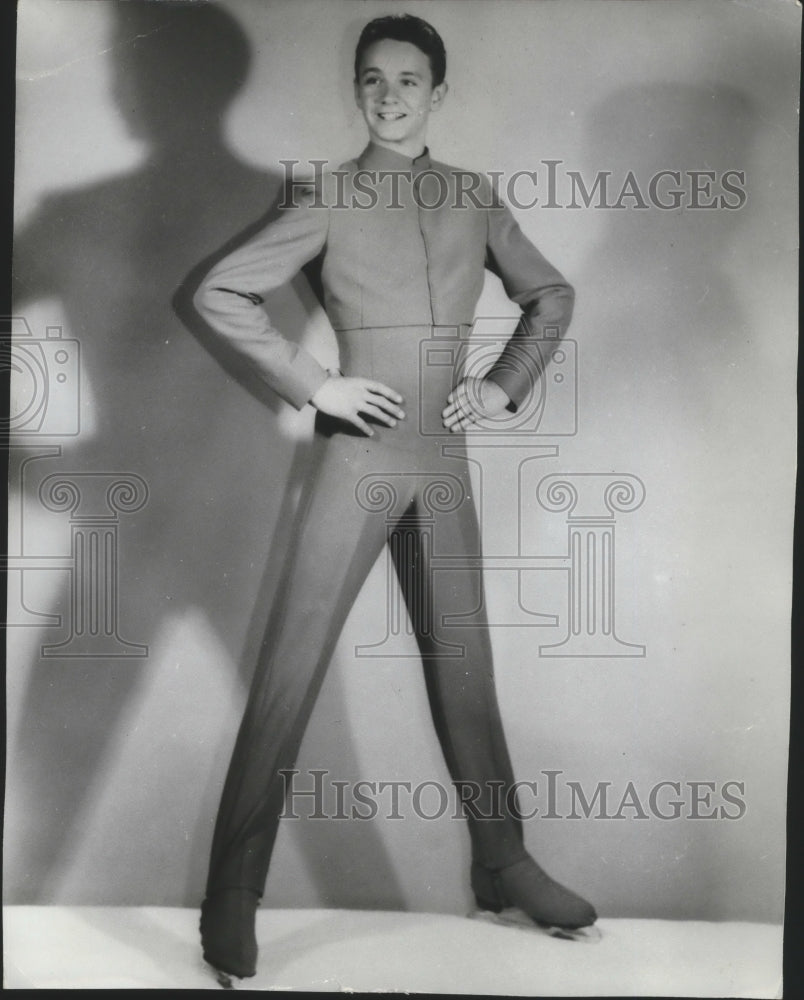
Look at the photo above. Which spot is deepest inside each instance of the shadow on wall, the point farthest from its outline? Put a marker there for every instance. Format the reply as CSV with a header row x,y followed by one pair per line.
x,y
212,456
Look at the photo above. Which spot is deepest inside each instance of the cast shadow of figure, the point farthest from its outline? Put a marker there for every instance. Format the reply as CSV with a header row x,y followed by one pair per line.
x,y
215,461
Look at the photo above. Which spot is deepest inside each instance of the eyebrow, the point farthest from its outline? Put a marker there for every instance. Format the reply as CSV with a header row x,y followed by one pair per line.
x,y
405,72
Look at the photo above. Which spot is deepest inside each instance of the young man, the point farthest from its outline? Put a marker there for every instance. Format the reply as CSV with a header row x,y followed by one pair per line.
x,y
402,242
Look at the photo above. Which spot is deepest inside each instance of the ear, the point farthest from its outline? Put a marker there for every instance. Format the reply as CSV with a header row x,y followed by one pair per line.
x,y
357,93
438,95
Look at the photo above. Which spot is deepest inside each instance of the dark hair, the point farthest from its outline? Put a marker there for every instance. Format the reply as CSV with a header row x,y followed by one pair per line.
x,y
405,28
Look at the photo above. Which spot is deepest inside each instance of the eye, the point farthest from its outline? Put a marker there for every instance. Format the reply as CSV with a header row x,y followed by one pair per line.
x,y
410,83
369,81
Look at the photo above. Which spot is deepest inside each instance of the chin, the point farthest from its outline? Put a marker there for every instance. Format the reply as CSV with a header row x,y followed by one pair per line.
x,y
389,136
399,123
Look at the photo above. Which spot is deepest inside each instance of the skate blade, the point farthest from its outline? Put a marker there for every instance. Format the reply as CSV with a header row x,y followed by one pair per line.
x,y
514,917
223,979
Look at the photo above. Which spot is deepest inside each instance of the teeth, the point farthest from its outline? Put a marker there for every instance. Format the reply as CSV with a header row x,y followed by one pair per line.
x,y
390,115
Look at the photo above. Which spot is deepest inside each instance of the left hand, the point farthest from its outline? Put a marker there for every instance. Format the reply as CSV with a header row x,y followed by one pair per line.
x,y
471,400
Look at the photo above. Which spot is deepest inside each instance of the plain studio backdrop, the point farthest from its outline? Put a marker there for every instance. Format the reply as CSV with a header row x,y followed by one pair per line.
x,y
149,136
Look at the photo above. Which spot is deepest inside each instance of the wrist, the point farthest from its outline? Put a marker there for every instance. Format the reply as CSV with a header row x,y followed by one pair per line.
x,y
331,373
502,393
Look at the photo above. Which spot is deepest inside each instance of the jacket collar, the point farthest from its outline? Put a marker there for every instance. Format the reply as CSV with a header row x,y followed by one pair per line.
x,y
379,158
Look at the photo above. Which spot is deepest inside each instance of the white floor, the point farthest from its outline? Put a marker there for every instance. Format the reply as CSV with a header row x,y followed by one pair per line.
x,y
330,950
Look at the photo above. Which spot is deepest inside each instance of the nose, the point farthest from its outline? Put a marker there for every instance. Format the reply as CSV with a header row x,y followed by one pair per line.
x,y
388,93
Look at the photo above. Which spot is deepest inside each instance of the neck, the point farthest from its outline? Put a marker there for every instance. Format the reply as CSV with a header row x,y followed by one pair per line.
x,y
412,148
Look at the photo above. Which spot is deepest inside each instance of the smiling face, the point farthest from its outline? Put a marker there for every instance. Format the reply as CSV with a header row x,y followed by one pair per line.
x,y
395,92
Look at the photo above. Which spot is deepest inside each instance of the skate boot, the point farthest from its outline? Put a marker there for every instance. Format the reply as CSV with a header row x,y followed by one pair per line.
x,y
228,935
524,895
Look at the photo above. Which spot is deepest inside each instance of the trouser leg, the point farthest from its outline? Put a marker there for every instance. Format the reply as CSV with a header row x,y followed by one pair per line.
x,y
461,689
336,542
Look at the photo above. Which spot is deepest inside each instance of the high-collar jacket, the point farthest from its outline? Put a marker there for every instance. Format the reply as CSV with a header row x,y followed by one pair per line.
x,y
401,242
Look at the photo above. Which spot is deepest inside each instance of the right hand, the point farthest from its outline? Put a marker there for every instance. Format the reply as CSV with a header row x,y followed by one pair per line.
x,y
347,397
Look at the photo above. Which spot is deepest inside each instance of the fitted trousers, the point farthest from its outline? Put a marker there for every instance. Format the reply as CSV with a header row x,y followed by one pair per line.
x,y
396,488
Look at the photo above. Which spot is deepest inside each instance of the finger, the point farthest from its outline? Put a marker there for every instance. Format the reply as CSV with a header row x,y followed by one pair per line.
x,y
463,409
458,389
462,398
459,392
474,400
361,425
465,415
460,408
378,413
375,399
383,390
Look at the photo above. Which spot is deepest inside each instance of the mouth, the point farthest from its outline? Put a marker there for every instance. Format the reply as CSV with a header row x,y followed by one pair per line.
x,y
390,116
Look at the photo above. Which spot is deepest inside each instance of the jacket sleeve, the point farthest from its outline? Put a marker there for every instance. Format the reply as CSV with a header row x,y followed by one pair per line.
x,y
534,284
231,295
